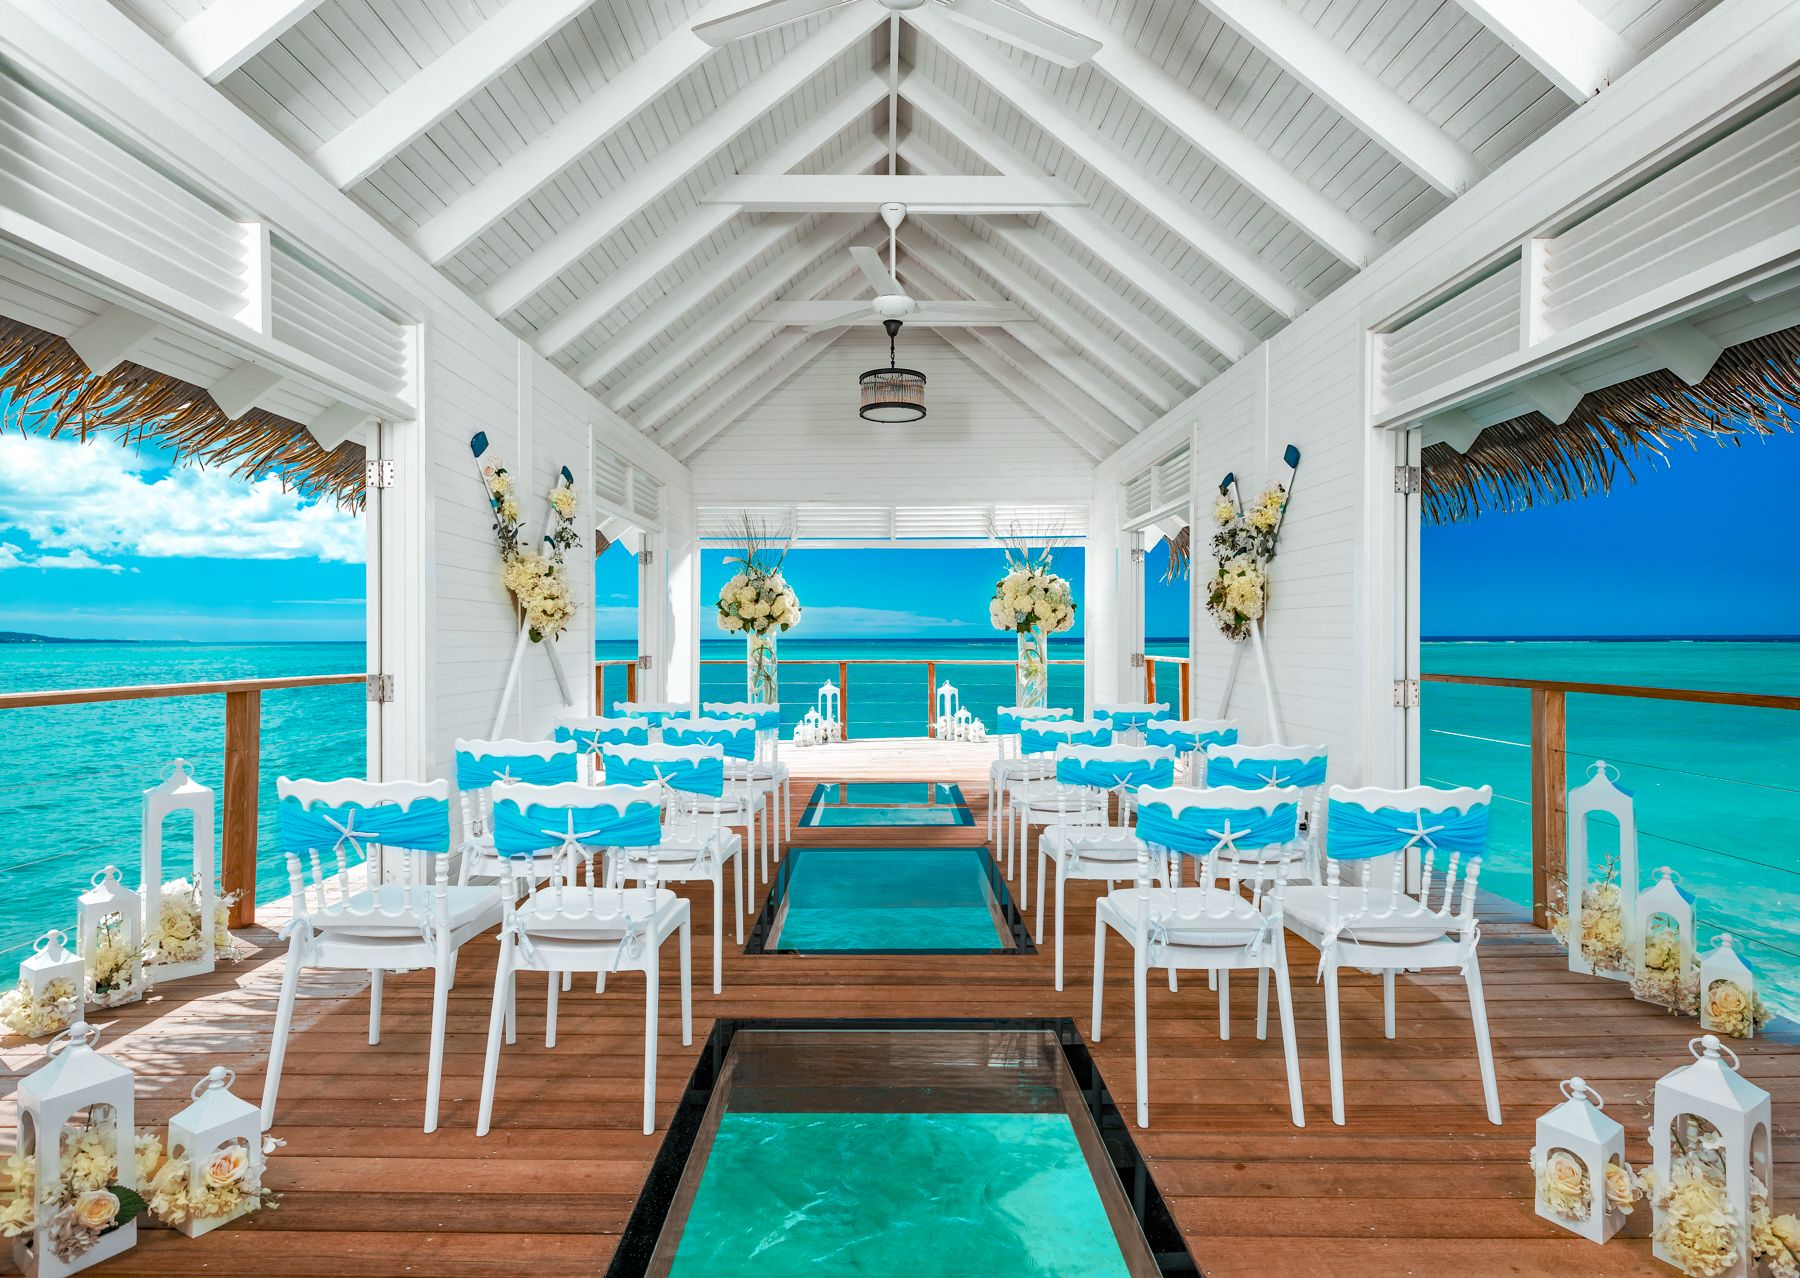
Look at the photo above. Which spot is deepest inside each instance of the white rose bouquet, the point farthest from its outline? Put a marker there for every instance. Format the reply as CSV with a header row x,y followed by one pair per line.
x,y
50,1013
1700,1229
1243,544
114,970
175,933
534,578
86,1202
757,603
1029,596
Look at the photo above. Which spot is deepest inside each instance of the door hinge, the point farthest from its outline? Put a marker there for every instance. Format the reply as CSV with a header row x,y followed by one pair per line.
x,y
1406,693
645,558
381,688
379,472
1138,554
644,662
1409,480
1137,661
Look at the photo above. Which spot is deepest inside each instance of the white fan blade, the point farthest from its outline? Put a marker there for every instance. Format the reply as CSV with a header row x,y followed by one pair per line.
x,y
875,271
761,17
1029,32
975,314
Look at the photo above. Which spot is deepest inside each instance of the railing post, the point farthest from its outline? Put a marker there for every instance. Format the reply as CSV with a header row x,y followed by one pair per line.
x,y
631,681
1149,678
243,764
1186,700
931,698
1549,781
843,701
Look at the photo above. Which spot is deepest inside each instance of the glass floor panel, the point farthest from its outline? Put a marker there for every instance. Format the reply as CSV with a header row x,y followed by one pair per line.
x,y
959,1149
886,804
889,901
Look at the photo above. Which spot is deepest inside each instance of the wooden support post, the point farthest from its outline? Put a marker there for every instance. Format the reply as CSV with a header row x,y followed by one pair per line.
x,y
1549,784
843,700
1149,679
1186,680
931,698
631,681
243,764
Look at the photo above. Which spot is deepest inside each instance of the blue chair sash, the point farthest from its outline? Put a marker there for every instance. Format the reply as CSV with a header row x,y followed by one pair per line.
x,y
421,826
479,771
590,740
737,743
1187,739
1254,774
1127,720
1355,833
767,718
1111,774
1009,724
690,776
545,827
1198,830
656,718
1039,740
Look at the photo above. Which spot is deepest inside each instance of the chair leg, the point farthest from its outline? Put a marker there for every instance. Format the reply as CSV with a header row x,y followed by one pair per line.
x,y
512,1008
375,975
1334,1044
718,882
1038,931
687,983
490,1069
1141,1026
1025,864
652,990
1387,1002
1284,995
440,1012
284,1020
555,984
1224,1004
1061,882
1099,968
1484,1047
737,887
1262,1002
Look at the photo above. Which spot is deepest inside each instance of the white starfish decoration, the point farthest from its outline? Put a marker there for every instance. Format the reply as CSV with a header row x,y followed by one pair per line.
x,y
1420,833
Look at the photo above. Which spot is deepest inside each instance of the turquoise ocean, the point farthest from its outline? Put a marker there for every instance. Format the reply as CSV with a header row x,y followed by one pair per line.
x,y
1717,787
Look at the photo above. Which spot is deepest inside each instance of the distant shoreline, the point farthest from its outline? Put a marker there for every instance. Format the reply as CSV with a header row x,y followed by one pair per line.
x,y
1610,639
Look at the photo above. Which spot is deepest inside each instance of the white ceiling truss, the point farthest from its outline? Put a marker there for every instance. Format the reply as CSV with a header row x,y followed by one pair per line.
x,y
631,200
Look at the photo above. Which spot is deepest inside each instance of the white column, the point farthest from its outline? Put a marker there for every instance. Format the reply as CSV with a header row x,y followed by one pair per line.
x,y
1100,597
679,658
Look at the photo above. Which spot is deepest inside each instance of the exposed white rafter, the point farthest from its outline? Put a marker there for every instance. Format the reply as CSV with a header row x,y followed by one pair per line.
x,y
595,305
1034,397
228,33
113,336
777,359
686,153
575,133
1569,46
1552,394
1212,134
1100,153
1221,331
921,193
384,130
238,389
1393,123
1683,349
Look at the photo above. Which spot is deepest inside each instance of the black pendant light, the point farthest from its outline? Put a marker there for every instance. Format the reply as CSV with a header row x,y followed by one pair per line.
x,y
892,394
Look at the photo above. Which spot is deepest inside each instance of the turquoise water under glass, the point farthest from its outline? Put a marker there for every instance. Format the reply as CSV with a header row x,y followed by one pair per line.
x,y
886,804
887,899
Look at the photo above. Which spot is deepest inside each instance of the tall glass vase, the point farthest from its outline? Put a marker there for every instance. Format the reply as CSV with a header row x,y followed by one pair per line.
x,y
1032,671
761,668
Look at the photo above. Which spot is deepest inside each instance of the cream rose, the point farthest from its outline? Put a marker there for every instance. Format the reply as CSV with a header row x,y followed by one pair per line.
x,y
1726,999
227,1167
1565,1172
1620,1192
96,1209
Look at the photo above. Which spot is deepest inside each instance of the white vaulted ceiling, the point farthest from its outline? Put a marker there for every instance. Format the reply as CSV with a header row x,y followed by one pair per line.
x,y
1236,160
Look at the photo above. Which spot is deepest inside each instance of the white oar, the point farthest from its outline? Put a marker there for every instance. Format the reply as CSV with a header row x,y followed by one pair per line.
x,y
1228,487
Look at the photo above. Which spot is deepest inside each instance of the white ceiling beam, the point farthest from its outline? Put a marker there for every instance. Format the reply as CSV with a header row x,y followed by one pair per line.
x,y
1031,396
1569,46
574,133
1683,349
1221,331
1107,158
238,390
336,424
228,33
1216,137
1053,366
1450,426
467,67
703,222
1095,384
110,338
1393,123
688,152
777,359
840,193
806,314
1553,395
823,238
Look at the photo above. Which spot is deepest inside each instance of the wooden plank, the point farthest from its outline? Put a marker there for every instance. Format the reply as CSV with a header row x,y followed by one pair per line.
x,y
83,696
243,770
1705,696
1549,783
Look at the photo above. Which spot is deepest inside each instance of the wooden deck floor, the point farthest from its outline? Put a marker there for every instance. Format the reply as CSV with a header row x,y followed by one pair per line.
x,y
1417,1182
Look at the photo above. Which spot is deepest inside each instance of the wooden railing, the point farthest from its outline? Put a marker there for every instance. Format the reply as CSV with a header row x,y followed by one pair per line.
x,y
600,667
1549,756
243,758
1184,668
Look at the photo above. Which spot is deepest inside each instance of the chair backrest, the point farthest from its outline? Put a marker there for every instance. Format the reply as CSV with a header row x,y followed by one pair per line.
x,y
1188,735
481,763
1042,736
1202,823
1010,720
765,715
690,769
736,737
1368,826
657,712
1253,767
1253,827
591,733
344,820
1130,716
571,820
1115,767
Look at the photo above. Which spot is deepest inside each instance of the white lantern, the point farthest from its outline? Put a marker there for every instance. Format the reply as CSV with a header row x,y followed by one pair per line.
x,y
218,1128
179,792
1579,1129
49,963
1711,1093
1721,1009
1599,794
78,1091
110,931
1661,974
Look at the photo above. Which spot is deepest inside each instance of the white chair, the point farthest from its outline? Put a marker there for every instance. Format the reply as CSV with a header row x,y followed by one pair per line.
x,y
1208,926
565,927
1129,717
593,733
481,763
695,843
406,916
1038,799
1081,850
1253,767
1376,926
1191,738
748,796
766,768
657,713
1010,766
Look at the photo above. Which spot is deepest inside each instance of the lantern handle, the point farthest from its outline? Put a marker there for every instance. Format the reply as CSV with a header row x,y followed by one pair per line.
x,y
216,1077
84,1032
110,872
1711,1046
1601,768
1576,1088
1664,871
182,766
44,942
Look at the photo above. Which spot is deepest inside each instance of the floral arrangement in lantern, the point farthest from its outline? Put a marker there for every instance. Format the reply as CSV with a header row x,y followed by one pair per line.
x,y
187,922
758,603
1243,543
1729,1000
47,999
1601,935
110,928
1665,971
1034,603
1572,1140
216,1160
1609,907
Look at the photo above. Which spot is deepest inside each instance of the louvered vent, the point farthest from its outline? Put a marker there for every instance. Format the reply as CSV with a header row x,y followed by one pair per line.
x,y
1456,336
1171,487
312,309
1139,492
646,495
612,478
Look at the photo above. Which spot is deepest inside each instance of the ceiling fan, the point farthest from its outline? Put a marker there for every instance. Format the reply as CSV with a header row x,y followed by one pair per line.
x,y
891,302
994,18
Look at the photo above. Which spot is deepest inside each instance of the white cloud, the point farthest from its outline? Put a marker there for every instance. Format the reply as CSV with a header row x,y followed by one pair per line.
x,y
100,499
13,555
887,622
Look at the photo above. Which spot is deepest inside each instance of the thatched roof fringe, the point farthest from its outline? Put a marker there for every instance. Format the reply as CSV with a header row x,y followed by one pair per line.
x,y
52,392
1753,389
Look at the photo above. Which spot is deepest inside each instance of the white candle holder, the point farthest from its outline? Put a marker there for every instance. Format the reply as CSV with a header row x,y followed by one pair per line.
x,y
110,932
179,792
1580,1129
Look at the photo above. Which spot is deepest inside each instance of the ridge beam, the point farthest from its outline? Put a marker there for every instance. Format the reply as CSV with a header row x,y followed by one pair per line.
x,y
921,193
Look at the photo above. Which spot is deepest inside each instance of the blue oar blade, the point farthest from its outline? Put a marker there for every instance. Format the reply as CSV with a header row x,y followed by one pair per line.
x,y
478,442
